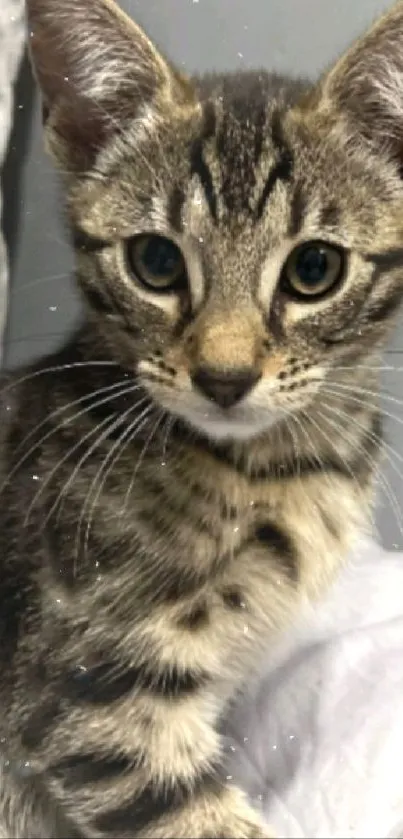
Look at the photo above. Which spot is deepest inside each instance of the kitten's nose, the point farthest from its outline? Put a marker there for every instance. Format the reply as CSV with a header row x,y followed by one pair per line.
x,y
225,388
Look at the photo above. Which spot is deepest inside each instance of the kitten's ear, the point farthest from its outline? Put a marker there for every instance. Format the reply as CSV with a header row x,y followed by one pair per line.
x,y
96,69
366,85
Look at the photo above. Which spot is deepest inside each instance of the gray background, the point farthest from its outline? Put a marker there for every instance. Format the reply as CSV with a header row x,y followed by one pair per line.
x,y
297,36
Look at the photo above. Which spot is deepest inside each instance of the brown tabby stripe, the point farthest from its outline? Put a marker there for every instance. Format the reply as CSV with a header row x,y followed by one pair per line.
x,y
277,541
198,165
41,722
329,216
98,300
174,208
82,241
78,769
297,211
175,508
383,309
282,169
107,682
386,260
197,618
199,168
155,802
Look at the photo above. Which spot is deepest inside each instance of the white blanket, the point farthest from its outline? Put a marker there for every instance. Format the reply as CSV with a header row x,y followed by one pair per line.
x,y
319,742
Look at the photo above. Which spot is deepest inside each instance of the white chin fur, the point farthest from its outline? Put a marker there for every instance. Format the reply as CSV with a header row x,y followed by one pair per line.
x,y
227,427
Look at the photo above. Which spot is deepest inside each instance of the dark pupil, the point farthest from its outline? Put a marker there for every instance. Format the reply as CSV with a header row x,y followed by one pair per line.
x,y
160,257
312,266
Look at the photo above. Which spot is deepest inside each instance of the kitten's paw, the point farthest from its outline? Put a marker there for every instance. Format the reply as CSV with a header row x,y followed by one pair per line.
x,y
228,816
244,829
240,821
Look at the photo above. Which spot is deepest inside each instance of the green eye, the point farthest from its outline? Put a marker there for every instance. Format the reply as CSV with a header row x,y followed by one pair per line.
x,y
312,270
157,262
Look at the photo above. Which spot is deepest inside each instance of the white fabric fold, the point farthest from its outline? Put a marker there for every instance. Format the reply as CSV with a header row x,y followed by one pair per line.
x,y
318,741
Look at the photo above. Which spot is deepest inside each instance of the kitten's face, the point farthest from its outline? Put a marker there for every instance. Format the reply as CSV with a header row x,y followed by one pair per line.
x,y
244,246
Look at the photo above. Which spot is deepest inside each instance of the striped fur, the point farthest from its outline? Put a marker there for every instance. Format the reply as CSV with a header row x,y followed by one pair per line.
x,y
152,544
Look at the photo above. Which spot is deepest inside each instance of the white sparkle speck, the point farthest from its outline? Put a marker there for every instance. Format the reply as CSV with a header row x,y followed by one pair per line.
x,y
52,308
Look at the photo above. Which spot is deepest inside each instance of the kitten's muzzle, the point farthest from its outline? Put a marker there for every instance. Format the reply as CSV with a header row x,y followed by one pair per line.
x,y
225,388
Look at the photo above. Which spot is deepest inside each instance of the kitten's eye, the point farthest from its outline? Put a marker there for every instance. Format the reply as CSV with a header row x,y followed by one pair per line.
x,y
157,262
312,270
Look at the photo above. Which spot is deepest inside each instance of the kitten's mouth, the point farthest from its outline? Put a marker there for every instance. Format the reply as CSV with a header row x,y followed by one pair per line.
x,y
241,422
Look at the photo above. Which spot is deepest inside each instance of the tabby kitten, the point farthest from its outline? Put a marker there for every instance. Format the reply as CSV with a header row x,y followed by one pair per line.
x,y
193,466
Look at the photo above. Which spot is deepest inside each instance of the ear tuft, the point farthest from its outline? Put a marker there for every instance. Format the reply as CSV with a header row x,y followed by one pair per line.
x,y
96,69
366,85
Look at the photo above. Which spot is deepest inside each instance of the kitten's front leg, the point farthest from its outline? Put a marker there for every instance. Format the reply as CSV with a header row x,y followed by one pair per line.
x,y
136,754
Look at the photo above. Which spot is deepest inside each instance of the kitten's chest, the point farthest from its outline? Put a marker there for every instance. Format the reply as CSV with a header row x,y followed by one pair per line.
x,y
212,563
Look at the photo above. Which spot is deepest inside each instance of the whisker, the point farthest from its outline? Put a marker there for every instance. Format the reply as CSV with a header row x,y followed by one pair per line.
x,y
377,369
87,396
57,367
89,452
141,458
389,450
332,444
169,427
93,431
38,281
116,424
128,388
374,465
357,401
366,392
50,475
115,448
